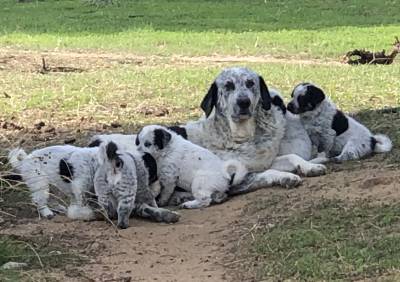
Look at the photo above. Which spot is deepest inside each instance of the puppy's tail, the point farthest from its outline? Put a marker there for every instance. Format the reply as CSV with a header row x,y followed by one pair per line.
x,y
382,143
15,157
236,171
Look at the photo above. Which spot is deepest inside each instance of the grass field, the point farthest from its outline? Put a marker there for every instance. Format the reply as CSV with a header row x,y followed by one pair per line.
x,y
152,61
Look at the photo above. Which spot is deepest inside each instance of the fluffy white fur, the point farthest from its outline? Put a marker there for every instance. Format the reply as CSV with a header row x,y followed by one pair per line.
x,y
321,117
188,166
41,168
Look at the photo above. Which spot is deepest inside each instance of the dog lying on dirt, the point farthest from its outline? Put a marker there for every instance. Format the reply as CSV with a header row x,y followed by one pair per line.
x,y
118,180
246,121
332,132
188,166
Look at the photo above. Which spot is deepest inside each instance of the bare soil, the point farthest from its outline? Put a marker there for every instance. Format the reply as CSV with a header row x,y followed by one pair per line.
x,y
206,244
31,61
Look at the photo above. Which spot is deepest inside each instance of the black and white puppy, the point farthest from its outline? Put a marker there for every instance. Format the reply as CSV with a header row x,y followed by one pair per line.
x,y
188,166
331,131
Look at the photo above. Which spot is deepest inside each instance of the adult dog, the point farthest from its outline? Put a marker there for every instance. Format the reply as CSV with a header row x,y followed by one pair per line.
x,y
244,120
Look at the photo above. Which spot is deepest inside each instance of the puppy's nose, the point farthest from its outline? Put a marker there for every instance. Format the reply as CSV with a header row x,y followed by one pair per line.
x,y
243,102
290,108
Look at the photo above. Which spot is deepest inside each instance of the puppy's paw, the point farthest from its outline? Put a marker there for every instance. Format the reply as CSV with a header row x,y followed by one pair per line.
x,y
46,213
290,180
171,217
311,170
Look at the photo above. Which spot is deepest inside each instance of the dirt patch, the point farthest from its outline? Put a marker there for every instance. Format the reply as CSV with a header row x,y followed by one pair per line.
x,y
205,245
32,61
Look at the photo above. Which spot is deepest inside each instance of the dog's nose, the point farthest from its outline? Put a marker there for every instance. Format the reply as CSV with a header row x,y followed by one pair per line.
x,y
290,108
243,102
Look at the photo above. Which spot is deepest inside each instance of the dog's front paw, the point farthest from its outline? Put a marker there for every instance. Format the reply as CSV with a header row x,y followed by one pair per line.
x,y
171,217
290,180
311,170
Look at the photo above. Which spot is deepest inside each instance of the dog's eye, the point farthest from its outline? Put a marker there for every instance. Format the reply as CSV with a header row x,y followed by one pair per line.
x,y
249,83
229,86
147,144
119,163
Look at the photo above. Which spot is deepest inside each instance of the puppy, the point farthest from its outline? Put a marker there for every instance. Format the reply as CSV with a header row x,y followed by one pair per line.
x,y
337,135
188,166
74,171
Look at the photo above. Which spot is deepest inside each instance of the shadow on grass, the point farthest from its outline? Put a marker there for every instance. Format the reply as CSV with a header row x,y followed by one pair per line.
x,y
71,17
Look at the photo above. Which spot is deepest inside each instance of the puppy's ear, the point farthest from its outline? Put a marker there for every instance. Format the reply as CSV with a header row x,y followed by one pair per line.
x,y
111,151
316,93
161,138
277,101
264,92
210,100
108,153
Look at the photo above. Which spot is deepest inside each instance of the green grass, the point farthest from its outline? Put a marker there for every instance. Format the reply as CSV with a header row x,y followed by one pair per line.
x,y
37,253
332,241
281,28
100,94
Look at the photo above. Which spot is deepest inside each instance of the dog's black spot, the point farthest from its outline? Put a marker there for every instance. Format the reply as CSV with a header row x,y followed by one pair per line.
x,y
340,123
66,171
277,101
373,143
111,151
151,166
311,99
230,86
179,130
232,178
161,138
94,143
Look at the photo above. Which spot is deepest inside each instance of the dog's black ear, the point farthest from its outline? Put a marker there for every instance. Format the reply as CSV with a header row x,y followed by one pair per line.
x,y
111,150
316,93
277,101
137,141
161,138
210,100
265,96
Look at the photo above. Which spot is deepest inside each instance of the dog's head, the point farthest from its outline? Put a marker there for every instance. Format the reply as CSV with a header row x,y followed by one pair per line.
x,y
153,139
115,182
305,98
235,94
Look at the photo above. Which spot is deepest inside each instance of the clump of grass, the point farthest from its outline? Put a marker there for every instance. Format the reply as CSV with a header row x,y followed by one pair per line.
x,y
37,253
332,241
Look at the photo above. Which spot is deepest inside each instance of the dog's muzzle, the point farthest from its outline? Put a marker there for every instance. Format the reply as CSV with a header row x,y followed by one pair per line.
x,y
242,111
291,108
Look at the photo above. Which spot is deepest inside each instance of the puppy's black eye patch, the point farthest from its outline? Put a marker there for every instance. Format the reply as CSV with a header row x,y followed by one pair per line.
x,y
119,163
147,144
249,83
229,86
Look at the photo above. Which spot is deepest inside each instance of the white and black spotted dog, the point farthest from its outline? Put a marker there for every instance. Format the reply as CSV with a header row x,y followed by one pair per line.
x,y
188,166
84,174
338,135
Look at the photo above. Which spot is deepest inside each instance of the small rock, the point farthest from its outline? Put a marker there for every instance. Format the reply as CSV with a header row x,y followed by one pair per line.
x,y
39,125
115,124
13,265
69,140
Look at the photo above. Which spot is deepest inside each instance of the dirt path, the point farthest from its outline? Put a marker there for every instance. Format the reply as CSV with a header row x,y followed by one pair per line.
x,y
195,249
28,60
203,245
